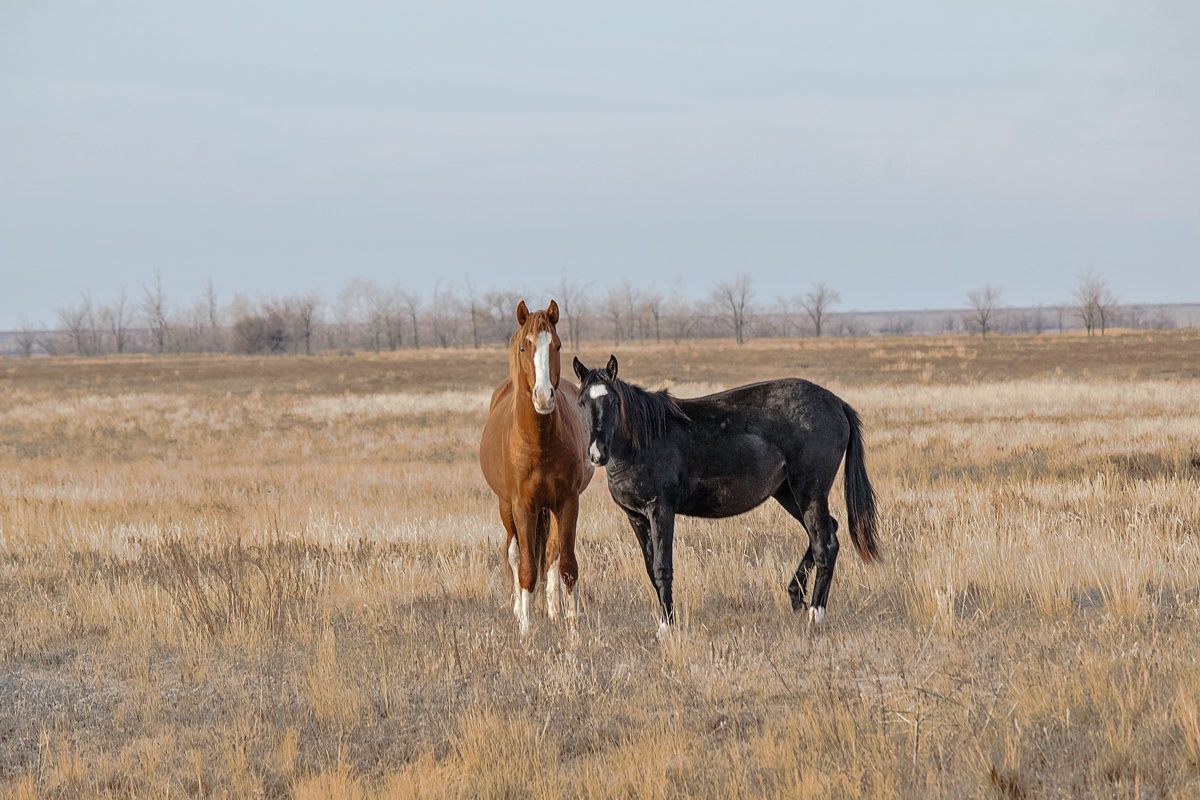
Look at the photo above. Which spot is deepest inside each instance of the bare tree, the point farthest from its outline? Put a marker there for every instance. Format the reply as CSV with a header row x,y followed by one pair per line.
x,y
154,309
262,332
1037,318
410,302
982,304
387,319
1094,302
680,313
499,308
79,325
615,307
731,299
896,324
26,339
303,312
354,312
652,302
569,313
212,317
633,322
441,315
785,309
817,302
476,310
116,318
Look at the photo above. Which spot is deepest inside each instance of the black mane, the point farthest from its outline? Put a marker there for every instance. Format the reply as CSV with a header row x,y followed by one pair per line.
x,y
644,414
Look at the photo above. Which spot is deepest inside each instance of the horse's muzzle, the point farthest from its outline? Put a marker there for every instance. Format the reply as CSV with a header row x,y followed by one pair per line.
x,y
543,403
596,457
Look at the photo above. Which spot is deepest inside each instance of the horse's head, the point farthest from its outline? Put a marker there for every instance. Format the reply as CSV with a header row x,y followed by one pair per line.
x,y
533,357
600,400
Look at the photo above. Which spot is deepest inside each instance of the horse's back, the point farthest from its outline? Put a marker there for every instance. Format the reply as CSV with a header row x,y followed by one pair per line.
x,y
786,402
803,422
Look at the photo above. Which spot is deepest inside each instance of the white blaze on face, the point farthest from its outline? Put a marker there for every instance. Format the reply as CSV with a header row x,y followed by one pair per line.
x,y
597,390
543,391
594,453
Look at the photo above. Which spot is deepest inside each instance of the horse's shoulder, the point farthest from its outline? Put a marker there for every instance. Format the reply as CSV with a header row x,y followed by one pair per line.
x,y
500,393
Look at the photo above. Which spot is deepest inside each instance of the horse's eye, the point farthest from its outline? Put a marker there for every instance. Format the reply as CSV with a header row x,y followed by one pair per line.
x,y
522,348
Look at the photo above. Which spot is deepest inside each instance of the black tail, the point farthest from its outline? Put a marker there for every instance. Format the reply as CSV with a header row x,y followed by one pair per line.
x,y
860,497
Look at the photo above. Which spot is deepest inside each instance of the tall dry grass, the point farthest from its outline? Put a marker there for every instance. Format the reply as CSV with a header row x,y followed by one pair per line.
x,y
276,581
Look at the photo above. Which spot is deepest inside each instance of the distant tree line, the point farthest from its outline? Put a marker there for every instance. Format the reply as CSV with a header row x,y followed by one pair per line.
x,y
367,316
1093,305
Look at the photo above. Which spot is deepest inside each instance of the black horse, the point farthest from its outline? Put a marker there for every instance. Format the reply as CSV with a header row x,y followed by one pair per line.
x,y
724,454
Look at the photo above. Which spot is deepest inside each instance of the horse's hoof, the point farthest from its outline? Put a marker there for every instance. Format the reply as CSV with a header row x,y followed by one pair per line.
x,y
815,615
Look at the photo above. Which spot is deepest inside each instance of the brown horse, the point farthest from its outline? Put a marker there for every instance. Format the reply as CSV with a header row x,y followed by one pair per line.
x,y
534,457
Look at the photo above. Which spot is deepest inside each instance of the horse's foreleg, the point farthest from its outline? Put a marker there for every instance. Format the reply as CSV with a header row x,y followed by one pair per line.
x,y
565,521
641,529
514,553
526,523
553,577
662,535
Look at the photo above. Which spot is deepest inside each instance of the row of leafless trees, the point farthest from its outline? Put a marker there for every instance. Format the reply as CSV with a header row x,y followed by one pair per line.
x,y
1094,304
367,316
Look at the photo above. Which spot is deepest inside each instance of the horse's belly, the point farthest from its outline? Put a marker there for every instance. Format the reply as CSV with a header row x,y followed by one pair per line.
x,y
724,498
735,490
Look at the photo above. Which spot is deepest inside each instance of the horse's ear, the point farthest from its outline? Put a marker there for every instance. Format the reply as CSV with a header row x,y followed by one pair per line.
x,y
580,369
552,312
522,313
612,368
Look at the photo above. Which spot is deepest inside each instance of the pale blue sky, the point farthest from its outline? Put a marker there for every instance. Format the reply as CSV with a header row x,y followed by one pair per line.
x,y
904,153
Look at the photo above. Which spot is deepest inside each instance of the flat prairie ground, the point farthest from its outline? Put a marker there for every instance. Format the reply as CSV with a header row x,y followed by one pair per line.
x,y
284,577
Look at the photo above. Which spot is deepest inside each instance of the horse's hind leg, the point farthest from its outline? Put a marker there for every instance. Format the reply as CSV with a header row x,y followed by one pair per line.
x,y
821,553
566,567
822,535
552,548
799,583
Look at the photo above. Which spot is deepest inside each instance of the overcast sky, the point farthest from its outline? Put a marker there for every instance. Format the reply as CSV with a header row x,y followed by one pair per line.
x,y
904,153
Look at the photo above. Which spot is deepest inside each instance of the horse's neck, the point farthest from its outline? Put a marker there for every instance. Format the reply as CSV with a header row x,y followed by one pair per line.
x,y
529,425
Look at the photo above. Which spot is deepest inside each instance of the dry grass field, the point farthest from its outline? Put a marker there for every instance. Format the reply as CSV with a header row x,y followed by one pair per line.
x,y
284,578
